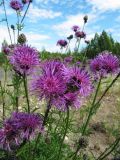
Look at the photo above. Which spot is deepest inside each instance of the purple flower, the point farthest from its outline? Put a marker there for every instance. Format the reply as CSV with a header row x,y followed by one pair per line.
x,y
78,86
77,80
16,5
68,59
6,49
50,83
105,63
9,136
96,64
63,86
28,124
24,59
19,127
62,43
75,28
80,34
68,99
78,63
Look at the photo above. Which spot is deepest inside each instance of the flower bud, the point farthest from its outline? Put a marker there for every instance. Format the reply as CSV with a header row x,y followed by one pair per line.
x,y
83,142
13,27
26,1
70,37
85,19
22,39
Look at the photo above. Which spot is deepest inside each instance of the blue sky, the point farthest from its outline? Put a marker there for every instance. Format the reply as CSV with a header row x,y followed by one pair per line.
x,y
50,20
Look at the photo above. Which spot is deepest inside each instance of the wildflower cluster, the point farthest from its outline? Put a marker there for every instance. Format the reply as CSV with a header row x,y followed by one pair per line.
x,y
63,85
105,63
18,5
78,34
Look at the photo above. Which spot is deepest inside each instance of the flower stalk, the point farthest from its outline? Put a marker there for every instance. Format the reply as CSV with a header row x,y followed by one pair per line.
x,y
26,92
7,21
65,132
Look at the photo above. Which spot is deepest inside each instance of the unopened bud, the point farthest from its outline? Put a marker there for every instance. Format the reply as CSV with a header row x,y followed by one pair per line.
x,y
22,39
83,142
85,19
70,37
13,27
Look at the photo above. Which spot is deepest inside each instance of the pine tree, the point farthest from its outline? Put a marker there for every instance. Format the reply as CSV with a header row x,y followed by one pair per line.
x,y
101,43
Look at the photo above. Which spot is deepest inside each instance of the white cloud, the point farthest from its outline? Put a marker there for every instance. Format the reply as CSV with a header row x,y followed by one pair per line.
x,y
105,4
36,13
64,28
31,36
46,1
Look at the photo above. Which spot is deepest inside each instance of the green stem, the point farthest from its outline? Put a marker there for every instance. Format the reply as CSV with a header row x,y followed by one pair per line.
x,y
5,79
3,102
18,25
75,154
46,114
78,45
44,123
7,21
91,109
106,90
85,55
26,92
80,38
25,12
67,47
88,118
58,123
66,128
14,35
109,150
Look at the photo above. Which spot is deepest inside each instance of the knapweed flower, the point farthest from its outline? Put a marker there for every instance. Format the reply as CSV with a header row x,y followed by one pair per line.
x,y
71,100
80,34
68,59
75,28
50,83
24,59
19,127
78,80
9,135
16,5
6,49
78,63
105,63
78,86
62,43
28,124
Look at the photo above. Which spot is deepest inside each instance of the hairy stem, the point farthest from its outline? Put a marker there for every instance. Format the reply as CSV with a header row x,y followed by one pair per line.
x,y
25,13
7,21
65,132
91,109
109,150
44,123
18,25
3,102
26,92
